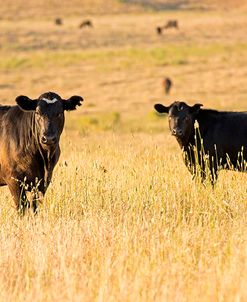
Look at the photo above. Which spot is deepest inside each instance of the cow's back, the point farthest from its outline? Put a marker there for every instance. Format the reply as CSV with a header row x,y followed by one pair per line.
x,y
226,132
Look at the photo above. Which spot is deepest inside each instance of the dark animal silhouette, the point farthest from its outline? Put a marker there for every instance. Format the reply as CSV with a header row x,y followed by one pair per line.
x,y
171,24
159,30
29,139
58,21
167,84
218,140
86,23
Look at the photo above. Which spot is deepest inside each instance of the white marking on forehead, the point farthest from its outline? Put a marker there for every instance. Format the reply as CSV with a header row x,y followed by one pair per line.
x,y
50,101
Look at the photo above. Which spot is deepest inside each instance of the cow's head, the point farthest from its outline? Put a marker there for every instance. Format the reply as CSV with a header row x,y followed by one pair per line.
x,y
181,118
49,115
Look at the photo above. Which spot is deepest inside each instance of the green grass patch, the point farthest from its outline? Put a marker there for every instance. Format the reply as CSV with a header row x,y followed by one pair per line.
x,y
171,54
114,121
94,122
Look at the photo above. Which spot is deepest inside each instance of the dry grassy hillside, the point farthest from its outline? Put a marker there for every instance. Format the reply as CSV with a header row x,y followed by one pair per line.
x,y
189,4
123,220
47,9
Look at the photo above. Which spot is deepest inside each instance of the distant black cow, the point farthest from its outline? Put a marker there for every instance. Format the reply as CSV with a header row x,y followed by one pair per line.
x,y
171,24
58,21
159,30
29,139
86,23
167,84
210,139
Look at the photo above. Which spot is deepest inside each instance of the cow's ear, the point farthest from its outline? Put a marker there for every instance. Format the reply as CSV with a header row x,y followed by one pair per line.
x,y
195,108
161,108
25,103
71,103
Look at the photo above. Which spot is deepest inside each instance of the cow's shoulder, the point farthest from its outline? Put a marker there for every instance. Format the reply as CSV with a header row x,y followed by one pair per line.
x,y
12,113
4,109
204,116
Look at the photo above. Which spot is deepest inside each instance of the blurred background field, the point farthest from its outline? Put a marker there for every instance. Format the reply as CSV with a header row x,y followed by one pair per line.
x,y
123,220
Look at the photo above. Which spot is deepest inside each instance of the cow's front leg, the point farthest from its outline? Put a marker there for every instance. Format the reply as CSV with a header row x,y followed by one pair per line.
x,y
36,192
17,190
38,195
35,201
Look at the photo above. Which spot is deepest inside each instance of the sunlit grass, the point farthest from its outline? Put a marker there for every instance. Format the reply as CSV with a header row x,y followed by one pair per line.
x,y
119,222
114,121
171,54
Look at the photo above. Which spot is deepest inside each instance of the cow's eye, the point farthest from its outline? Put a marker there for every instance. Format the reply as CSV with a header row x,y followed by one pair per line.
x,y
59,114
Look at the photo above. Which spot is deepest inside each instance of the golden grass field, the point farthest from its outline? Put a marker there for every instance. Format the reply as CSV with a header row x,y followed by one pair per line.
x,y
123,220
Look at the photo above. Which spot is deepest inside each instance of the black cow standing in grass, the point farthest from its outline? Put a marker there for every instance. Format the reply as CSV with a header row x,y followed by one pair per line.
x,y
29,139
159,30
171,24
210,139
167,84
86,23
59,21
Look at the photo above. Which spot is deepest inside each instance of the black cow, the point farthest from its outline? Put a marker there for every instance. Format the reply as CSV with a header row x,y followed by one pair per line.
x,y
171,24
167,84
86,23
210,139
159,30
58,21
29,139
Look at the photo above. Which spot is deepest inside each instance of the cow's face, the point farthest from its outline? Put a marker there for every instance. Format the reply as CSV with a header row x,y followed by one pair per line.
x,y
49,115
181,118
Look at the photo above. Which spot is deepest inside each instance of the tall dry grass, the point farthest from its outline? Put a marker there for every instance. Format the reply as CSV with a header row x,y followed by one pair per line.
x,y
123,221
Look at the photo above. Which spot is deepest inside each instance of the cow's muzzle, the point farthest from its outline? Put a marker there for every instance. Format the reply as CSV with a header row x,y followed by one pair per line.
x,y
177,132
48,140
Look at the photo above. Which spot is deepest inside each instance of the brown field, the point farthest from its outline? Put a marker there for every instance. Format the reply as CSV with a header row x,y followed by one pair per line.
x,y
123,220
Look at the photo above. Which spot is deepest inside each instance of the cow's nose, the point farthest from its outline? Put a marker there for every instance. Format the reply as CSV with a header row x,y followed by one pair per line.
x,y
177,131
48,139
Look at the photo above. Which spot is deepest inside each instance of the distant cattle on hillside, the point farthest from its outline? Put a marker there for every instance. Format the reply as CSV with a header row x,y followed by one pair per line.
x,y
169,24
29,138
86,23
167,85
58,21
159,30
210,140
